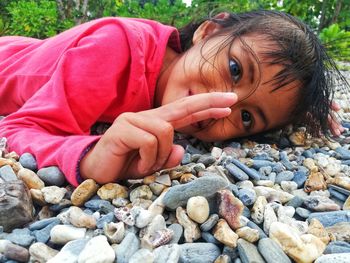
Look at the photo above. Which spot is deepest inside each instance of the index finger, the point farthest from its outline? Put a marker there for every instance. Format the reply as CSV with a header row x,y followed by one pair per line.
x,y
193,104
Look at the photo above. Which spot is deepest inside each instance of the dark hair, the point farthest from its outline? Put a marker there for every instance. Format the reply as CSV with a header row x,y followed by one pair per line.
x,y
298,49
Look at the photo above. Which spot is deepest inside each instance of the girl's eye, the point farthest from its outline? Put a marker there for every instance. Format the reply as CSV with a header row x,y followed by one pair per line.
x,y
235,70
247,119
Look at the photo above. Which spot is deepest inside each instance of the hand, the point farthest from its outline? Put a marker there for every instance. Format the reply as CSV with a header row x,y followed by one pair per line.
x,y
335,127
138,144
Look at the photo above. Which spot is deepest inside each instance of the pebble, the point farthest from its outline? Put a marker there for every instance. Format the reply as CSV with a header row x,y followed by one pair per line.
x,y
70,251
21,237
198,253
78,218
339,258
142,255
272,252
317,229
284,176
330,218
247,196
84,192
40,252
111,191
178,231
43,235
142,191
7,174
191,229
210,223
167,253
249,234
51,176
252,173
163,179
28,161
62,234
115,232
104,219
16,253
15,204
304,248
236,173
302,212
248,252
127,248
224,234
320,204
178,195
341,231
30,178
337,247
198,209
230,208
97,250
53,194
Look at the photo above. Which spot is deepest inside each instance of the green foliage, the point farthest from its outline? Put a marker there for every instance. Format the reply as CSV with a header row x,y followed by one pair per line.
x,y
45,18
33,18
337,42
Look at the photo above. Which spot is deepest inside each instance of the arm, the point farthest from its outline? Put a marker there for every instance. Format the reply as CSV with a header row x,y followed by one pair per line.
x,y
54,123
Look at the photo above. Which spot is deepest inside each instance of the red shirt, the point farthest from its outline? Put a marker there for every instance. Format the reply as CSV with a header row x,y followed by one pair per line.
x,y
54,90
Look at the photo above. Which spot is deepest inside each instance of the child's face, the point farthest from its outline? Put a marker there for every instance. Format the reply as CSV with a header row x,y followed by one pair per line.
x,y
231,69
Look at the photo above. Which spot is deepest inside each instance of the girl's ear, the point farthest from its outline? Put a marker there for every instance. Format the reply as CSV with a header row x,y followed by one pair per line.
x,y
207,28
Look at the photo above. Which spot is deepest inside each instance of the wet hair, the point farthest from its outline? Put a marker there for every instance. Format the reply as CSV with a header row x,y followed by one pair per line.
x,y
297,48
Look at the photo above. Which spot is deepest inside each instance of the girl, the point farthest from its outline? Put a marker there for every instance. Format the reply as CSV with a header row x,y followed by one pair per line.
x,y
229,76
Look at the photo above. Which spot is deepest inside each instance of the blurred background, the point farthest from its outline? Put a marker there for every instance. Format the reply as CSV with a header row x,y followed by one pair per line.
x,y
330,19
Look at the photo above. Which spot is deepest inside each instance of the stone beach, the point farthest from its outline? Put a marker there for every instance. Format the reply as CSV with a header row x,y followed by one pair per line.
x,y
284,200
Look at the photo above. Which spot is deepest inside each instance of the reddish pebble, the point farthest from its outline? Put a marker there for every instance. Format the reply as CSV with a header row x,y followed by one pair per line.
x,y
230,208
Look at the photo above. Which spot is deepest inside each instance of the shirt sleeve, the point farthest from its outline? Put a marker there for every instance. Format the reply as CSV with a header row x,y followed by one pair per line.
x,y
54,123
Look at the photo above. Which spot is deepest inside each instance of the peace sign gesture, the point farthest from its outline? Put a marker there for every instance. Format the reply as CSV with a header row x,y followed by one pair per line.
x,y
138,144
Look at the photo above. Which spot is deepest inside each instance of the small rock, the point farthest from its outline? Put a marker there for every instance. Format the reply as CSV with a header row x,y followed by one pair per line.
x,y
317,229
304,248
53,194
16,203
78,218
167,253
257,213
52,175
111,191
115,232
40,252
198,253
28,161
320,203
191,229
142,255
269,218
178,231
284,176
37,225
247,196
61,234
157,188
198,209
248,234
142,191
163,179
289,186
230,208
21,237
127,248
84,192
337,247
210,223
70,252
224,234
43,235
16,252
249,252
271,193
7,174
341,231
302,212
97,250
315,182
236,173
37,197
30,179
204,186
339,258
271,251
330,218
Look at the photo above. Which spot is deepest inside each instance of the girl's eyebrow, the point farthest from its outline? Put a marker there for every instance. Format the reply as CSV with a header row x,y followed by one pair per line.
x,y
262,116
